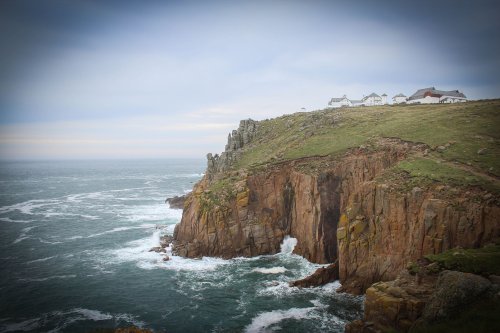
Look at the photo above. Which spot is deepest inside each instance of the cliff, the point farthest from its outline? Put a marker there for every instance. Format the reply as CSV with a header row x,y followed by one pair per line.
x,y
374,188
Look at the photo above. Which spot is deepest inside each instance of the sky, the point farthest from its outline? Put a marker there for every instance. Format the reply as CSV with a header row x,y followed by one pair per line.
x,y
162,79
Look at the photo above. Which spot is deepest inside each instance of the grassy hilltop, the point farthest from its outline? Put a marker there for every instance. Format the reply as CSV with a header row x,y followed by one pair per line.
x,y
463,139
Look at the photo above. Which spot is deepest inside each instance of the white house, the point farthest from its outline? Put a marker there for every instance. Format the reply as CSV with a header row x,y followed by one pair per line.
x,y
339,102
399,99
431,95
374,99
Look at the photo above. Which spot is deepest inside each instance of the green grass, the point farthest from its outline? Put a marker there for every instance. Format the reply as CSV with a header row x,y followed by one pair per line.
x,y
468,126
484,261
425,171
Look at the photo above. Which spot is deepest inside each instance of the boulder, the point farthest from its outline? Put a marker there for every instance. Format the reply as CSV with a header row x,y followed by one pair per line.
x,y
454,291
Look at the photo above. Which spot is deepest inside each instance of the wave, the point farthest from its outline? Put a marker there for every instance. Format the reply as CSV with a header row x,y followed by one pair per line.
x,y
288,245
56,321
20,239
118,229
69,276
40,260
9,220
155,212
138,251
23,235
48,242
27,207
265,320
272,270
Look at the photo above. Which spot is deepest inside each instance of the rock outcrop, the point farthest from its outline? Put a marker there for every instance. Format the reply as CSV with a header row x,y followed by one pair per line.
x,y
236,141
176,202
409,302
321,276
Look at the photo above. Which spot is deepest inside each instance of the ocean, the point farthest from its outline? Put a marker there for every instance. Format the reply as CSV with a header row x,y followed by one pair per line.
x,y
74,257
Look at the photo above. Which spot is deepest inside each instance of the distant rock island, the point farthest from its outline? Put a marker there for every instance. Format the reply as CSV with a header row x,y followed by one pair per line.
x,y
404,199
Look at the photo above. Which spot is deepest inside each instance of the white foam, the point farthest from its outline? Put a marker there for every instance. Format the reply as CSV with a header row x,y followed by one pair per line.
x,y
40,260
194,265
20,239
27,207
94,315
137,251
8,219
70,276
23,235
263,321
272,270
48,242
288,245
118,229
155,212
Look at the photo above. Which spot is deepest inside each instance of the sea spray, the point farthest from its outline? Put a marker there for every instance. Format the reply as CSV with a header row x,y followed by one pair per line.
x,y
288,245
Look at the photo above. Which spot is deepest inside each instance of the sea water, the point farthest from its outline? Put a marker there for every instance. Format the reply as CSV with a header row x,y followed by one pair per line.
x,y
74,257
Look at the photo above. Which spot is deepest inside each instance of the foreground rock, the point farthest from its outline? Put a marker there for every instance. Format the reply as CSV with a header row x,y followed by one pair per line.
x,y
453,291
320,277
176,202
426,295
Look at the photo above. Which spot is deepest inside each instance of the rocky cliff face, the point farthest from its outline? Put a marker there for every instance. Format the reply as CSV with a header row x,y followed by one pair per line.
x,y
382,230
336,210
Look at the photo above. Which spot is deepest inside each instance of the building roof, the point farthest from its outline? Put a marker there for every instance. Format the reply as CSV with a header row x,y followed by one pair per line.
x,y
371,95
421,93
384,94
340,99
399,95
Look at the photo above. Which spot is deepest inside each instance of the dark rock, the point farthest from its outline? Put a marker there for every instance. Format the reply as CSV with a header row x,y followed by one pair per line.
x,y
495,279
176,202
158,249
166,240
166,258
321,277
454,291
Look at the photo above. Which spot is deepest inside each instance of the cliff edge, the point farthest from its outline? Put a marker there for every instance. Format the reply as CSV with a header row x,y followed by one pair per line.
x,y
375,188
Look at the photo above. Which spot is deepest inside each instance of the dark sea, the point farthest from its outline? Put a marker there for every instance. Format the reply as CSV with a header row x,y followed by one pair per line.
x,y
74,257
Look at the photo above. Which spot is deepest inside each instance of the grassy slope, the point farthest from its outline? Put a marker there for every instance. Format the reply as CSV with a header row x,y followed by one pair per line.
x,y
469,127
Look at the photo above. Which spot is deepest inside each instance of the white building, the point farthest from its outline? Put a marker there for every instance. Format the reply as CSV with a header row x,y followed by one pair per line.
x,y
399,99
431,95
339,102
374,99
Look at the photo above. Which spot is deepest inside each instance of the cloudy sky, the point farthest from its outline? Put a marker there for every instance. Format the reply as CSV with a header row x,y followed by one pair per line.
x,y
156,79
